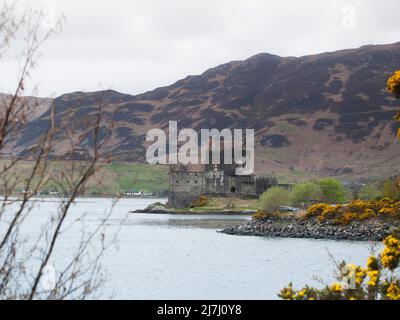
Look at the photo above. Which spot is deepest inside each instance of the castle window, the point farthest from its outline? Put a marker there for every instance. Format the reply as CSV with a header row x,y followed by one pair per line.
x,y
233,190
195,181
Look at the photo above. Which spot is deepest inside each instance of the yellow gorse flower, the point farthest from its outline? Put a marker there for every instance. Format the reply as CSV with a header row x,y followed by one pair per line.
x,y
393,84
288,293
391,254
393,291
373,263
357,272
357,210
371,282
336,287
373,278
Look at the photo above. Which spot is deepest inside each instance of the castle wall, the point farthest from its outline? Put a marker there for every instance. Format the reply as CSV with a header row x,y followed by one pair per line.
x,y
238,185
215,182
187,184
185,188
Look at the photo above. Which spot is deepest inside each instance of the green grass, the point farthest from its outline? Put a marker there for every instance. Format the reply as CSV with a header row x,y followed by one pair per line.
x,y
218,204
116,177
139,177
283,127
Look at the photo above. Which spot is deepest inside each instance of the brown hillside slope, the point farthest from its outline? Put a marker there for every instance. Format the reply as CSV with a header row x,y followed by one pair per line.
x,y
325,114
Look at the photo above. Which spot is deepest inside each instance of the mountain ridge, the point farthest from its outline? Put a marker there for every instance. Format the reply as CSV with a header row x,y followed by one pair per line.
x,y
322,114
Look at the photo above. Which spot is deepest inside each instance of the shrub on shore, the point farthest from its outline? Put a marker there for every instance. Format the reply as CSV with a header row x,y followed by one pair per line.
x,y
202,201
273,198
327,190
370,192
332,191
377,281
261,215
303,194
357,210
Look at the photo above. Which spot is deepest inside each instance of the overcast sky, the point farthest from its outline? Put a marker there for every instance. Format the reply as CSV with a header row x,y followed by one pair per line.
x,y
134,46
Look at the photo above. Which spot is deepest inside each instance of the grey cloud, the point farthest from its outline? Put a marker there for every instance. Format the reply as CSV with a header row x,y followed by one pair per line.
x,y
135,46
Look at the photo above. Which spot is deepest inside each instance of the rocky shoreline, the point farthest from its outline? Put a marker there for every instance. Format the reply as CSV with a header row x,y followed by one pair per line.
x,y
312,229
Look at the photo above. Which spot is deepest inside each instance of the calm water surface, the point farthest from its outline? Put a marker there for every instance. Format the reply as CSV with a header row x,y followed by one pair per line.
x,y
183,257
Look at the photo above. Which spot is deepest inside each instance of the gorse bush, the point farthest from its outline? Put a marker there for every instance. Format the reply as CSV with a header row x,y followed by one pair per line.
x,y
357,210
202,201
393,84
377,281
260,215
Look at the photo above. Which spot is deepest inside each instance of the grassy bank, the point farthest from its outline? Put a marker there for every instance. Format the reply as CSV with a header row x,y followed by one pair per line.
x,y
111,178
218,204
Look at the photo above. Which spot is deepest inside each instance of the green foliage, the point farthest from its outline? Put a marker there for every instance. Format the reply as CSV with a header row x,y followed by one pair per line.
x,y
273,198
391,189
370,192
284,128
304,194
327,190
332,191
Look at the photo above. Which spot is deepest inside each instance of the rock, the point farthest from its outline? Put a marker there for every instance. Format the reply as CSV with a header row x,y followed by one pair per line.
x,y
155,208
297,228
248,212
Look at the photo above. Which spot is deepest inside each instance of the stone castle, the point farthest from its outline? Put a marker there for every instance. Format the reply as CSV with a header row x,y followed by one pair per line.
x,y
188,182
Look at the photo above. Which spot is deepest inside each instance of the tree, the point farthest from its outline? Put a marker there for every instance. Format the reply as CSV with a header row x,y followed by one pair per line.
x,y
304,194
25,259
274,198
332,191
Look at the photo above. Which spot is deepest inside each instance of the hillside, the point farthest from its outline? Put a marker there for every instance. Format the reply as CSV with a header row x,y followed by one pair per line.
x,y
325,114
